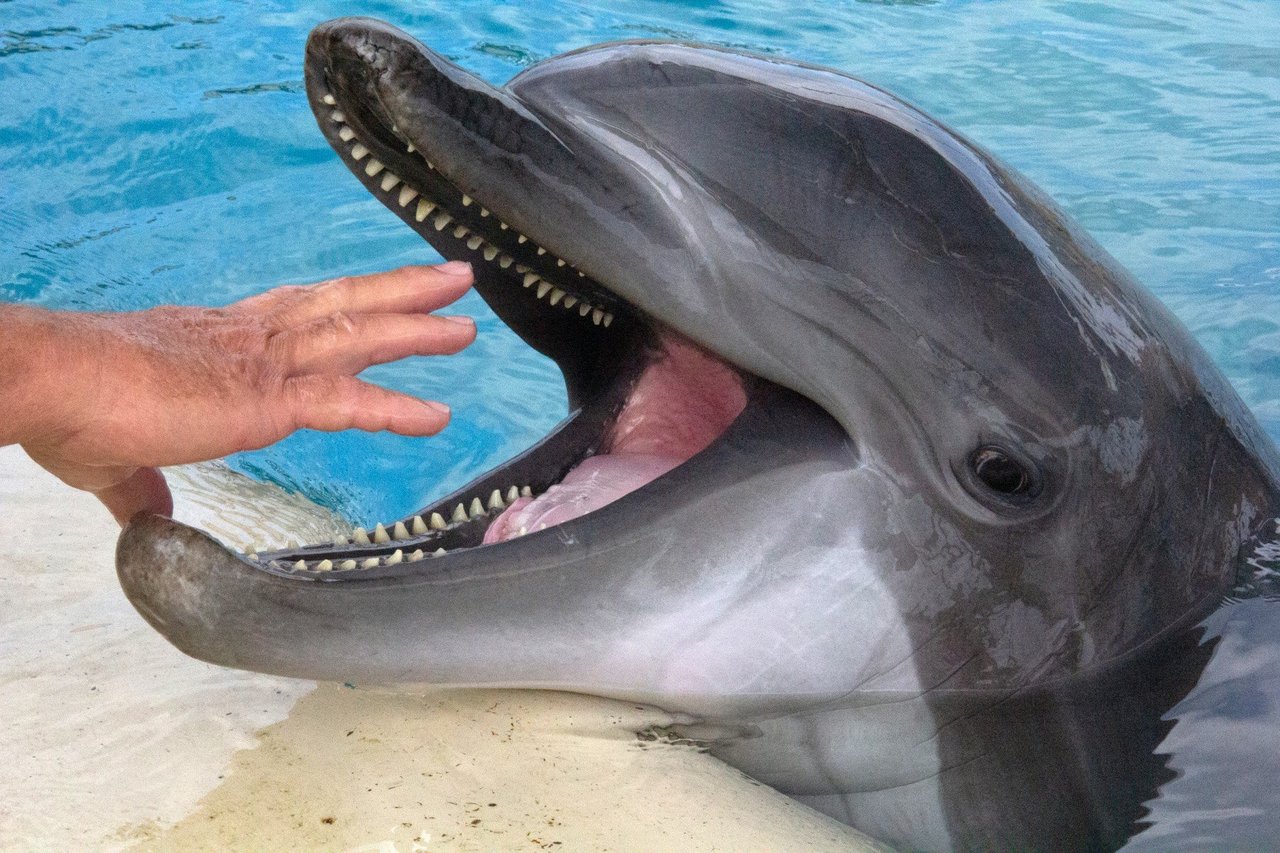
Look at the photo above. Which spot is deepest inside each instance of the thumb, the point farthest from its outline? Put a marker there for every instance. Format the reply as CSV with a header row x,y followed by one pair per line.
x,y
125,491
143,491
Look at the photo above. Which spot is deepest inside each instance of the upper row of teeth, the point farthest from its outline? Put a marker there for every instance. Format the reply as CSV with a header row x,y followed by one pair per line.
x,y
442,219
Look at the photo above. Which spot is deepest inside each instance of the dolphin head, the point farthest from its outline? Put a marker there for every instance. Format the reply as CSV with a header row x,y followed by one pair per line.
x,y
855,410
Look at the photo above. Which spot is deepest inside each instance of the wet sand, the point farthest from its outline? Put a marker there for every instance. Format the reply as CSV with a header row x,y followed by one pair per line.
x,y
115,740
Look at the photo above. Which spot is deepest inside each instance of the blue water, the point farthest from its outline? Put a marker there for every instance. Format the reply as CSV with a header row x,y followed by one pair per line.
x,y
150,157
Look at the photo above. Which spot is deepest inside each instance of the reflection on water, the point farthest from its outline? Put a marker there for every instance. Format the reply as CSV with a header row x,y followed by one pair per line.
x,y
234,509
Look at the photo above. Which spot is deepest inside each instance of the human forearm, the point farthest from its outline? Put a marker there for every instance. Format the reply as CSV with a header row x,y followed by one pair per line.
x,y
32,370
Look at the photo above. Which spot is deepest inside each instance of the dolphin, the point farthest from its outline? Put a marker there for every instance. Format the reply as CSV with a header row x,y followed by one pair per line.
x,y
877,469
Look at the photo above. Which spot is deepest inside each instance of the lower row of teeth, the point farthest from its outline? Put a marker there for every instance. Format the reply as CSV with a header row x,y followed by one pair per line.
x,y
441,220
415,527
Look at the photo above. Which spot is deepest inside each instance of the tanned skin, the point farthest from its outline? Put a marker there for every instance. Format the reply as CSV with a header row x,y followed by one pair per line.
x,y
102,400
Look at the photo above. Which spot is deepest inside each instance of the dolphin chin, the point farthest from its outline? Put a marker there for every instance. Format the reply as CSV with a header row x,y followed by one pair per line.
x,y
875,464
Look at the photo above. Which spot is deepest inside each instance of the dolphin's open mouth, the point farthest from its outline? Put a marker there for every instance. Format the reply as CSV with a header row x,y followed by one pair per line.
x,y
644,400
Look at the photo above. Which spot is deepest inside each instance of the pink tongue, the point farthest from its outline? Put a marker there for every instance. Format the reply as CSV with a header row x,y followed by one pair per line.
x,y
682,402
598,481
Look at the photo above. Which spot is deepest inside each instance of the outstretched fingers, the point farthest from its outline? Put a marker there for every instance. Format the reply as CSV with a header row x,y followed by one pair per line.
x,y
347,344
416,289
332,403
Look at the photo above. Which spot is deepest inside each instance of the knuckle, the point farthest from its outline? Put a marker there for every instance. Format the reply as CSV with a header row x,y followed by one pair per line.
x,y
340,323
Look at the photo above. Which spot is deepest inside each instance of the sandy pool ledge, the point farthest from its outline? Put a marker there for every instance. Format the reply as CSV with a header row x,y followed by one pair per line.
x,y
114,740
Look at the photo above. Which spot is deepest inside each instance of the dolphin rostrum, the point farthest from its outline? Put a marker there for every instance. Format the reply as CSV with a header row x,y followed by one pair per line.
x,y
876,467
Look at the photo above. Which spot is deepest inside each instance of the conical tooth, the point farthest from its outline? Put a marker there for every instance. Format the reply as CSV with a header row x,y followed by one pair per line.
x,y
346,134
505,261
504,226
407,194
581,274
324,566
521,239
341,541
477,508
526,492
337,116
330,100
608,318
459,513
389,181
490,252
430,165
466,201
291,544
408,146
475,241
585,309
441,220
570,301
439,552
424,209
524,531
395,128
521,268
348,564
380,534
415,556
530,278
400,531
359,536
252,555
495,500
541,251
556,296
484,211
512,494
359,152
373,167
396,558
437,521
419,526
596,316
300,566
543,287
559,262
460,231
371,563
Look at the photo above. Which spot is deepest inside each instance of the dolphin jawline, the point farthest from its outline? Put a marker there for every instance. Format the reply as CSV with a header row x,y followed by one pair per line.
x,y
602,344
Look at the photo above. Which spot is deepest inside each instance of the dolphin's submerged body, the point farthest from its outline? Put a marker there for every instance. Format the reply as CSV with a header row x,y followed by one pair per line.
x,y
877,468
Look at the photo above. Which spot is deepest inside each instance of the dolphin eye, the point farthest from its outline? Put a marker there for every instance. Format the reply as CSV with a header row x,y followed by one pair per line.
x,y
1002,473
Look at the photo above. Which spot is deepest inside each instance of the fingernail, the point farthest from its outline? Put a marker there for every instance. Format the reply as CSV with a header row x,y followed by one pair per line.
x,y
438,408
455,268
461,321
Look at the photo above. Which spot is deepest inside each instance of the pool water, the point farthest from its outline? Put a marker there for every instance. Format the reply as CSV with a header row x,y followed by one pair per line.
x,y
150,157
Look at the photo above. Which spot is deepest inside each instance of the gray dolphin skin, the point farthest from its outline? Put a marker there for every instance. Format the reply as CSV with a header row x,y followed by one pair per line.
x,y
942,570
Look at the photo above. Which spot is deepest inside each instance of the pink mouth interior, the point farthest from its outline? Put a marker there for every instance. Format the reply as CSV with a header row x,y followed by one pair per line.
x,y
685,398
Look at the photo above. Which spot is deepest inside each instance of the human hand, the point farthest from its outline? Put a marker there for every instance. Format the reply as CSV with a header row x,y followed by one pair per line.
x,y
118,395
